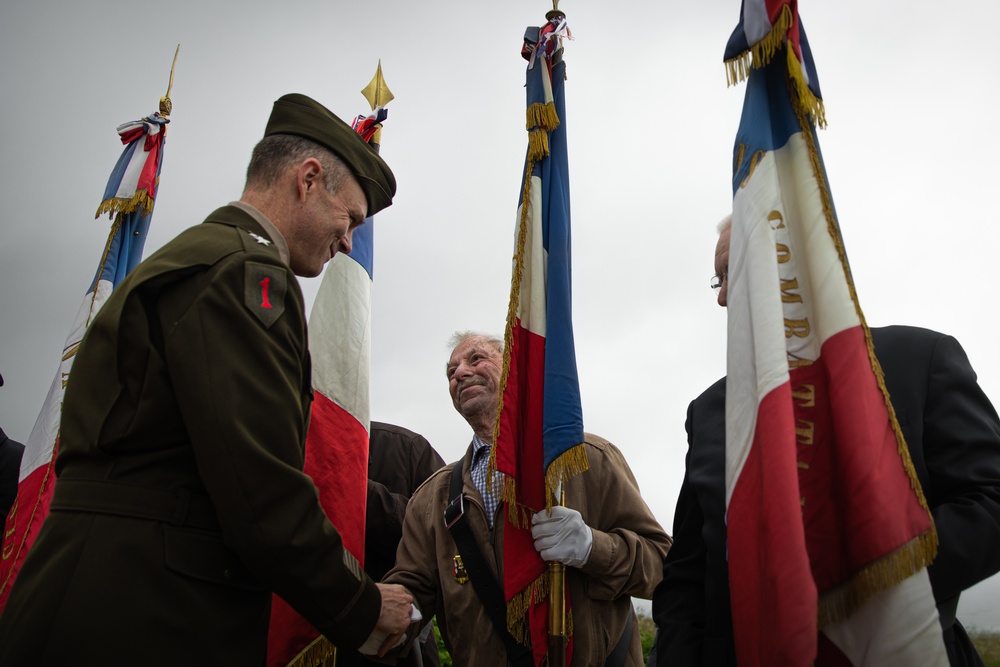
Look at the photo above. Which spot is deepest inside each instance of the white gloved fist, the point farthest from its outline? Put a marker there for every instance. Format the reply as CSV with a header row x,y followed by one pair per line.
x,y
562,536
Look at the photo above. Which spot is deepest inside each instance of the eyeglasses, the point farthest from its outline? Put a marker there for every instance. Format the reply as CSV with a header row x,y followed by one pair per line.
x,y
718,281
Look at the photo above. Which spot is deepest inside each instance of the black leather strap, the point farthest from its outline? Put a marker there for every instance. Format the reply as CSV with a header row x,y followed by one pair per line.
x,y
483,581
620,652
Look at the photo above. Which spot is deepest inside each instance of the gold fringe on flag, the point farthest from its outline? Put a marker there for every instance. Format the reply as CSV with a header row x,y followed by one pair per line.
x,y
540,120
759,54
49,475
140,200
517,609
104,260
319,653
518,606
508,493
804,99
837,604
918,553
568,464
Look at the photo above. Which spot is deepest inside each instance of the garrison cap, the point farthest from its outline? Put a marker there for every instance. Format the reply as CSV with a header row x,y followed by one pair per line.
x,y
305,117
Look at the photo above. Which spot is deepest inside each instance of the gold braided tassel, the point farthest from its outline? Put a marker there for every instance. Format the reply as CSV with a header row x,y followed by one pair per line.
x,y
140,200
319,653
760,54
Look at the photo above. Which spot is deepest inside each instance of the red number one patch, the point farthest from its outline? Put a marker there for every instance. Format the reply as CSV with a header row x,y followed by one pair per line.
x,y
263,285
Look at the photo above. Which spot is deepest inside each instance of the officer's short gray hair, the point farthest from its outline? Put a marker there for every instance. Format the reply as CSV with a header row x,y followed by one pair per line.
x,y
274,154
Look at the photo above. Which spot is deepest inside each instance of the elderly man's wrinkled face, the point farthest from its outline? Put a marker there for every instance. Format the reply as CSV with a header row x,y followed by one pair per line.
x,y
474,377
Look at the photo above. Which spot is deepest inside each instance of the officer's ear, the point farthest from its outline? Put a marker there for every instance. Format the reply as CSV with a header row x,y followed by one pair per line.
x,y
308,177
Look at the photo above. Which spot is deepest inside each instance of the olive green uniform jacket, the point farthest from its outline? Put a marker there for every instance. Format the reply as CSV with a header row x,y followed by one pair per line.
x,y
626,560
180,503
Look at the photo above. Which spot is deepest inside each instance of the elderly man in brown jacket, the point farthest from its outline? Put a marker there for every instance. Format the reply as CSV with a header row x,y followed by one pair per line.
x,y
612,545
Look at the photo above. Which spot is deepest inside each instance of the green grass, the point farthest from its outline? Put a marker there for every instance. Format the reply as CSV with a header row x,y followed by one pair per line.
x,y
647,632
988,644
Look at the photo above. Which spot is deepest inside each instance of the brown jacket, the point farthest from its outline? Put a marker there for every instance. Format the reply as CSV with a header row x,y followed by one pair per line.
x,y
180,502
626,560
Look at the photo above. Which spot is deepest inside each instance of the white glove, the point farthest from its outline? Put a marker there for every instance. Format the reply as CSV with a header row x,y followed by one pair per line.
x,y
562,536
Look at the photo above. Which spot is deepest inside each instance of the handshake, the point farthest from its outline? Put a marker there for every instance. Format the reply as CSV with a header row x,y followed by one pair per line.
x,y
398,613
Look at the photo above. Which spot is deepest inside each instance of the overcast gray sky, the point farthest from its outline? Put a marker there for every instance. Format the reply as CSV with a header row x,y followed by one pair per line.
x,y
910,151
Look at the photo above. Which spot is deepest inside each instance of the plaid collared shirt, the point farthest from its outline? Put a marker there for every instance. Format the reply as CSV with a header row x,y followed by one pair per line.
x,y
480,461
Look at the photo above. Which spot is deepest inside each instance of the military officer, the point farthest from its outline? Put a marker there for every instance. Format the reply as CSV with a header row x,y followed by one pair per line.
x,y
181,503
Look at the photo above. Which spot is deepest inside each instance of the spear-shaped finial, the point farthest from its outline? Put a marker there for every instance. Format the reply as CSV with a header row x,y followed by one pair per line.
x,y
376,92
378,95
166,106
556,12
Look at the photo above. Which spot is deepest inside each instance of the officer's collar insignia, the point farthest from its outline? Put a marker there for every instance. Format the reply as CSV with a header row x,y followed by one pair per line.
x,y
259,239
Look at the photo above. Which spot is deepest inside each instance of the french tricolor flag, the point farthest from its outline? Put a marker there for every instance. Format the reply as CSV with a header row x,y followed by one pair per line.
x,y
828,532
129,197
539,433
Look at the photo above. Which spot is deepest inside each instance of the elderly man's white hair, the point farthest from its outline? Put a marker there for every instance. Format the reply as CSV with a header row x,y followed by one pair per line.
x,y
724,224
459,337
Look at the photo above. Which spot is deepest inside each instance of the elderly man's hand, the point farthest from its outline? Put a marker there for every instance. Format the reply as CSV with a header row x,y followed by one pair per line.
x,y
561,535
394,618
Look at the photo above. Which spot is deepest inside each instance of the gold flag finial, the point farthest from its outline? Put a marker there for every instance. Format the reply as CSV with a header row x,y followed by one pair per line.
x,y
376,92
166,106
378,95
555,11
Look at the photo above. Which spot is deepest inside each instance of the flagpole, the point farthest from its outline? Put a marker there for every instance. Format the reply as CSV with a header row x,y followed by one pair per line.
x,y
166,106
557,600
558,638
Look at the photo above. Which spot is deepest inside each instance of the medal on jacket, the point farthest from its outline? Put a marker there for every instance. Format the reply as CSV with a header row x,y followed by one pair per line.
x,y
461,575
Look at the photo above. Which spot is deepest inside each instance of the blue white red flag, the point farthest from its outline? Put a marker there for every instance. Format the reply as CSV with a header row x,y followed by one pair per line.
x,y
829,534
339,423
129,197
539,433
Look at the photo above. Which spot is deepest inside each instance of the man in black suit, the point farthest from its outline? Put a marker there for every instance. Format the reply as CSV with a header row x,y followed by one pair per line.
x,y
10,466
953,434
